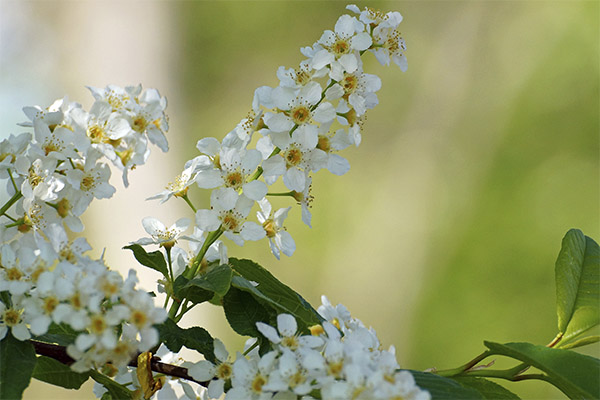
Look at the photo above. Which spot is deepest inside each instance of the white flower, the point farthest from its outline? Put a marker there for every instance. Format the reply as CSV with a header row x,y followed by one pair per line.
x,y
297,157
249,377
298,108
11,318
338,46
229,212
287,336
40,180
205,370
279,238
179,187
232,168
90,181
336,164
160,234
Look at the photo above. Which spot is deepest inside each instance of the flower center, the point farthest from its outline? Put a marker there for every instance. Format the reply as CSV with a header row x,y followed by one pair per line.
x,y
300,114
335,368
98,325
258,383
349,83
50,304
224,371
230,221
88,182
139,124
291,342
14,274
96,133
139,318
270,228
340,47
324,144
12,317
234,180
293,156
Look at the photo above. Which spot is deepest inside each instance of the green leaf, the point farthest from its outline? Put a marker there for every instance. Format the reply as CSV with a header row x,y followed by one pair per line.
x,y
56,373
154,260
243,312
61,334
17,361
195,338
488,389
116,390
577,285
441,388
576,375
580,342
269,290
216,280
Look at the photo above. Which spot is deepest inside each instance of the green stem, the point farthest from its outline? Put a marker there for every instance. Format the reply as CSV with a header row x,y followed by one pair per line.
x,y
170,265
9,217
251,348
10,202
187,200
191,273
283,194
466,367
16,223
12,180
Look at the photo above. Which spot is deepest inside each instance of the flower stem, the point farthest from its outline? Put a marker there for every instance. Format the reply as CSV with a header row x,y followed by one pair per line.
x,y
191,273
187,200
283,194
10,202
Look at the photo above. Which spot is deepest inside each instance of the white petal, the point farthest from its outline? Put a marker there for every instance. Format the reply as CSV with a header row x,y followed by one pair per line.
x,y
202,371
286,243
224,198
337,164
251,160
294,179
152,225
220,351
362,41
255,190
278,122
273,167
20,332
324,113
349,62
286,324
209,179
209,146
252,231
321,59
269,332
207,220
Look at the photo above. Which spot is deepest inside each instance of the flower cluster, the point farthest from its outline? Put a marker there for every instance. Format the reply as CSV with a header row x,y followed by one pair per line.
x,y
341,359
316,111
52,176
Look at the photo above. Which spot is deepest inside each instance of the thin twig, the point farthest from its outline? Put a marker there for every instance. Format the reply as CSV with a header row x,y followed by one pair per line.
x,y
59,353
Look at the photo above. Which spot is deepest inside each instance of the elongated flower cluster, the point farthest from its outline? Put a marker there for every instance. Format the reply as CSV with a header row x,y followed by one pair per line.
x,y
316,110
52,176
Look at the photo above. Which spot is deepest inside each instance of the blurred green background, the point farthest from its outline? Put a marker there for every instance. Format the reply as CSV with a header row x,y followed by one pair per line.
x,y
475,164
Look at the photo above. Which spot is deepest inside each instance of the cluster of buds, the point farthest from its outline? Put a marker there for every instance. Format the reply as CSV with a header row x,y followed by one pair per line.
x,y
53,176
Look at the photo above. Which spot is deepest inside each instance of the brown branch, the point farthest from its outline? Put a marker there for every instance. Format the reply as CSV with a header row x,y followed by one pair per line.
x,y
59,353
